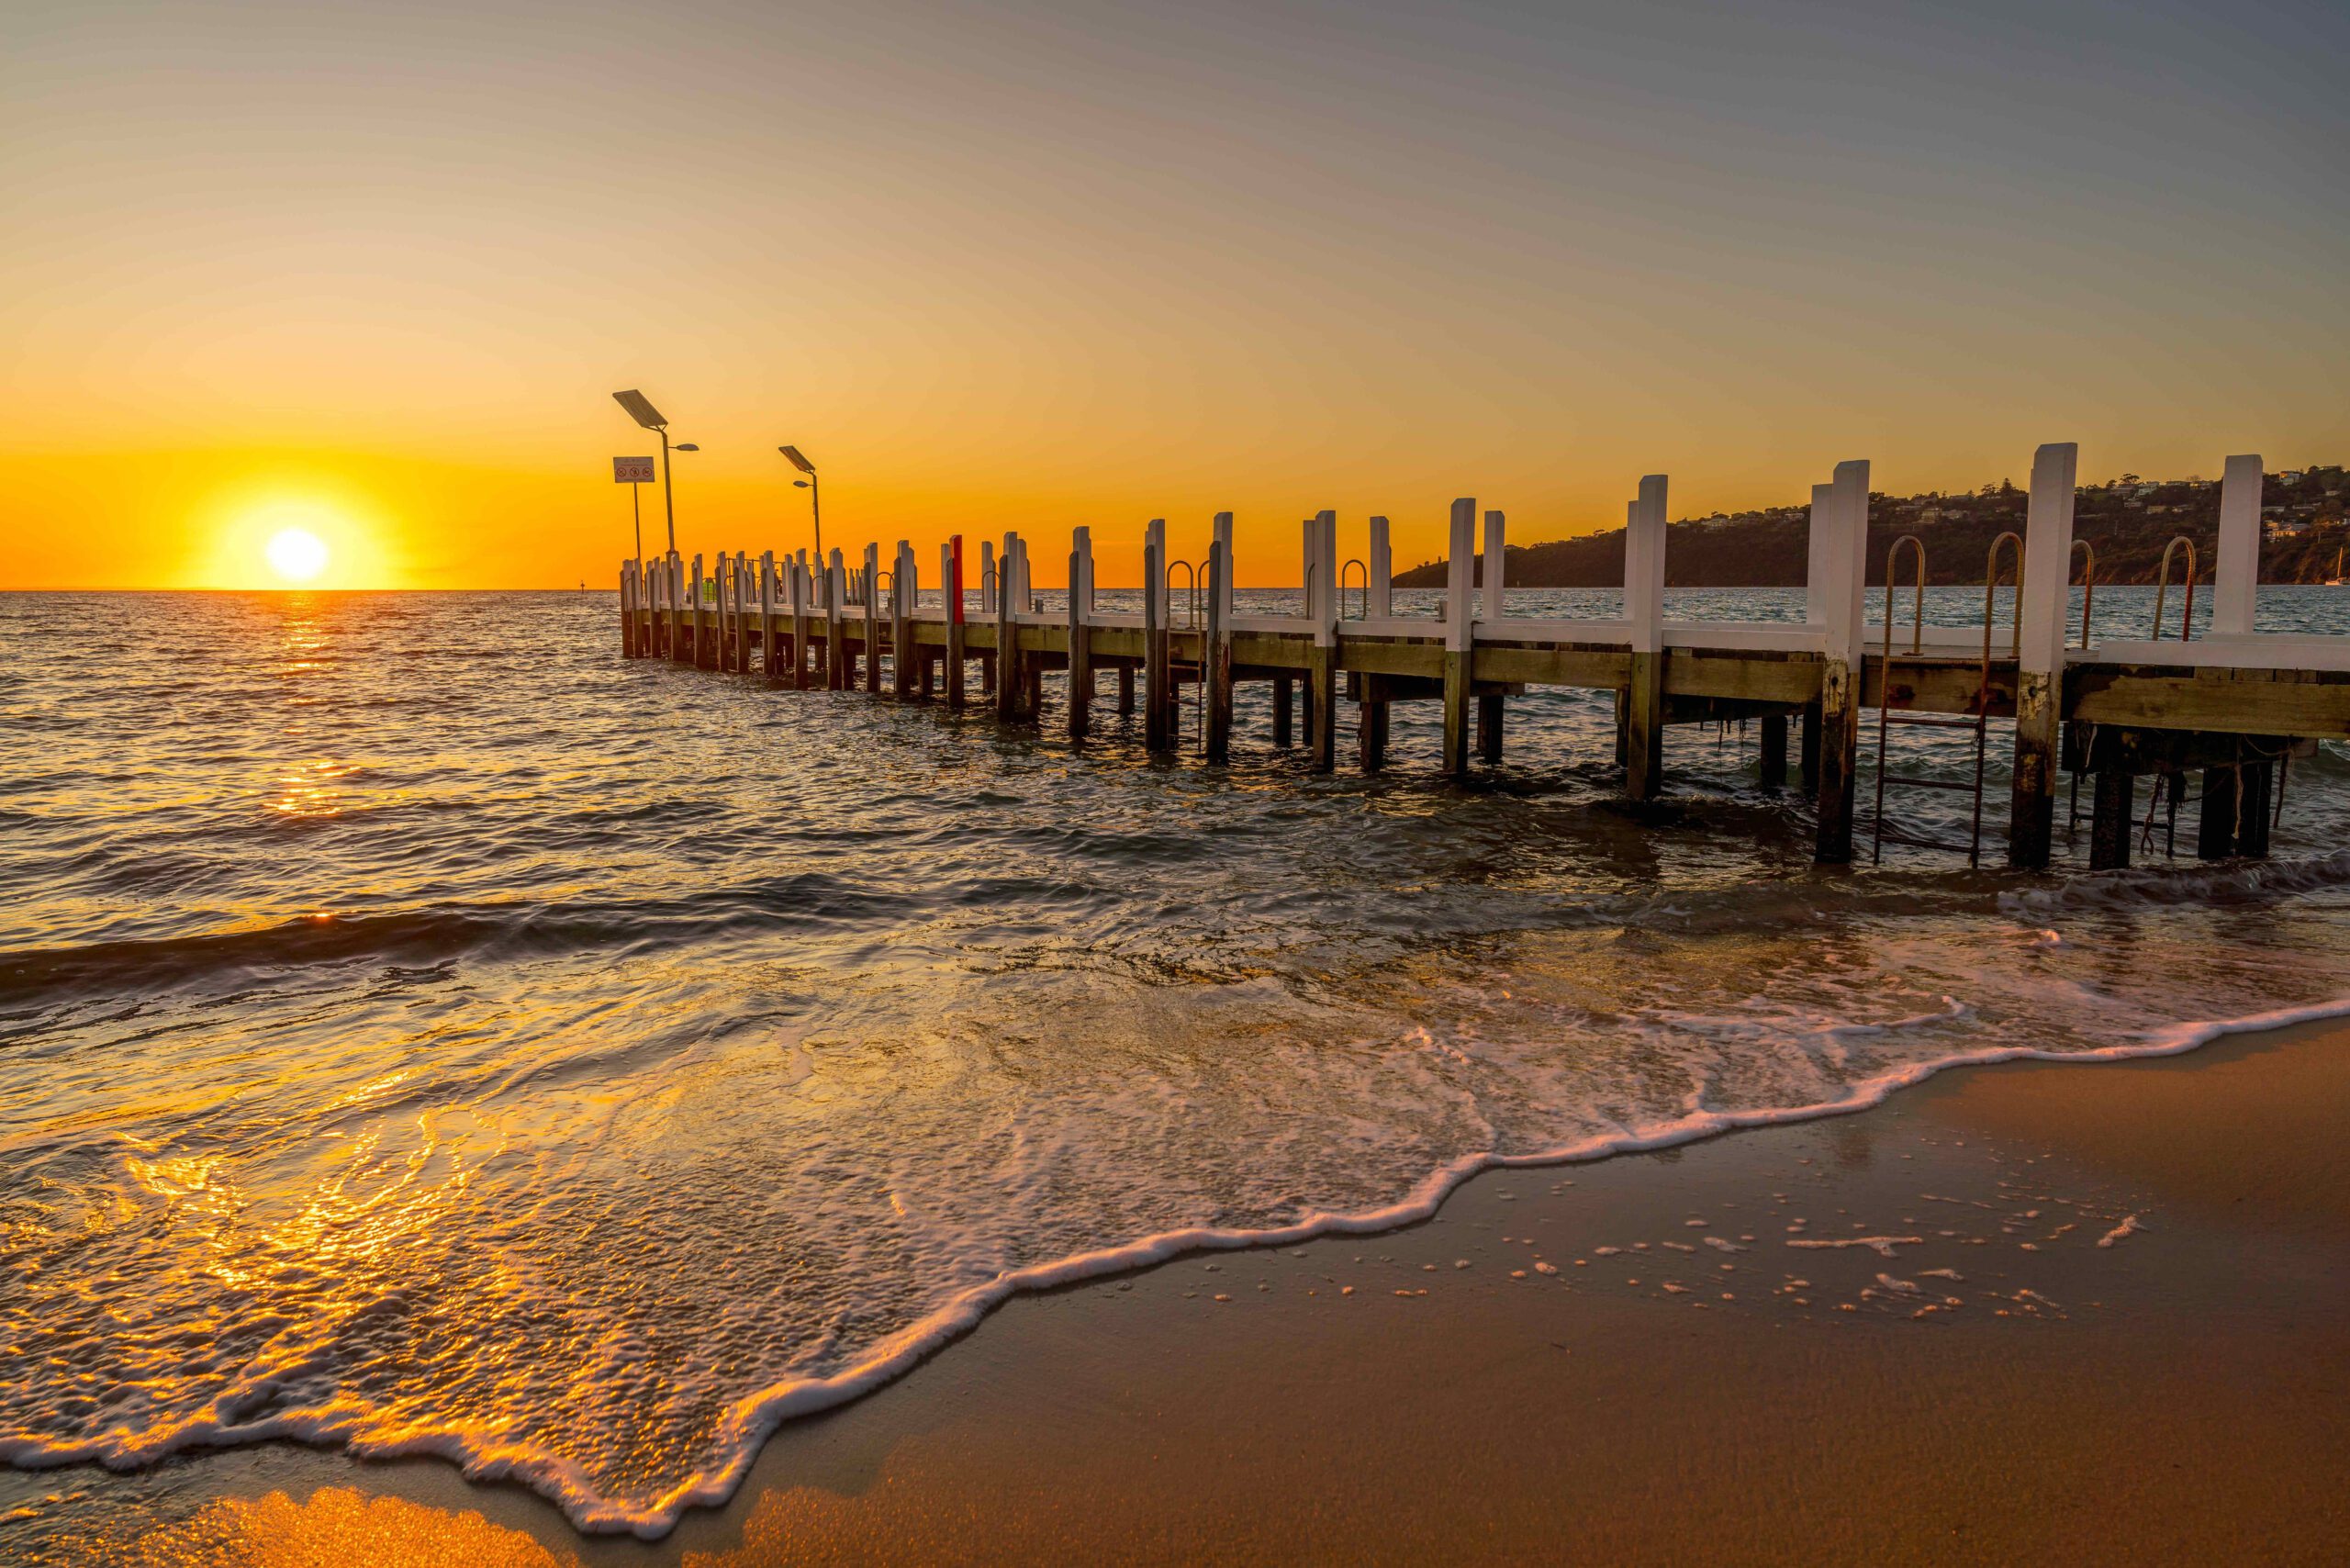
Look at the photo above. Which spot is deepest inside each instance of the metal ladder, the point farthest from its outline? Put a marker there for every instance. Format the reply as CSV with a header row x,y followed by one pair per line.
x,y
1977,721
1194,591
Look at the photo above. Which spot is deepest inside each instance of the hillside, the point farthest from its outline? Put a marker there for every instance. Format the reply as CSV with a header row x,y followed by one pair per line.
x,y
2127,520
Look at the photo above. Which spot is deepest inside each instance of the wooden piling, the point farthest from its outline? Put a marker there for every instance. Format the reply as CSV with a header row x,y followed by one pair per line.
x,y
1217,738
2113,791
1323,695
1643,734
1489,728
952,576
1840,750
1460,620
1080,647
1157,698
2216,821
770,654
1494,570
872,620
1644,543
2256,792
718,570
835,635
745,605
1282,688
1840,525
1323,699
1008,683
904,584
734,607
1126,688
1371,725
1773,752
802,589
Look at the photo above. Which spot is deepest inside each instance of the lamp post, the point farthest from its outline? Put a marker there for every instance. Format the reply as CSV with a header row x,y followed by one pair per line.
x,y
816,498
646,414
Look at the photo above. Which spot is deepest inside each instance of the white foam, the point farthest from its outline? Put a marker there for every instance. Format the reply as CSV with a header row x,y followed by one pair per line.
x,y
2128,1226
483,1455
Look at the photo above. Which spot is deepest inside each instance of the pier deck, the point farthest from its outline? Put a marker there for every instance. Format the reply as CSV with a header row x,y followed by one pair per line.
x,y
2234,705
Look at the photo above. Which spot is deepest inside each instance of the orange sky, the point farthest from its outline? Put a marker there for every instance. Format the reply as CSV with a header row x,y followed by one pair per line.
x,y
374,272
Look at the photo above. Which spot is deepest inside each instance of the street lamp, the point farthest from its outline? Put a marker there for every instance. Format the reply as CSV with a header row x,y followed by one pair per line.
x,y
646,414
816,498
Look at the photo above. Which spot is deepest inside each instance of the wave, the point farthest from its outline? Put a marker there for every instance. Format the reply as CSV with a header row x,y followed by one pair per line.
x,y
2217,882
482,1454
800,902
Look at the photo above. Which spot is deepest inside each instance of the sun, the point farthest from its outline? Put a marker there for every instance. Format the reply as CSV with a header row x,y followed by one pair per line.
x,y
295,554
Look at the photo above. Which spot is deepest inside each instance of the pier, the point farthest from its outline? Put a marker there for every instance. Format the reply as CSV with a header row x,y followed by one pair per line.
x,y
2234,705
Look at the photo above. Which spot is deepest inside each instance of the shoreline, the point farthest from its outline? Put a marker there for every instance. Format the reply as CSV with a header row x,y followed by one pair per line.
x,y
248,1483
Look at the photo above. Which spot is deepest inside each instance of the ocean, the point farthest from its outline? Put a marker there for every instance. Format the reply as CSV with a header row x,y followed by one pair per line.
x,y
422,1031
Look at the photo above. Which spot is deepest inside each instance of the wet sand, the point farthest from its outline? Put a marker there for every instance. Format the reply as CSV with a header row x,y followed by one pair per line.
x,y
2009,1389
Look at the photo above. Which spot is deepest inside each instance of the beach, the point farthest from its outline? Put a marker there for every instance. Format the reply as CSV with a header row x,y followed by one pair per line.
x,y
2117,1339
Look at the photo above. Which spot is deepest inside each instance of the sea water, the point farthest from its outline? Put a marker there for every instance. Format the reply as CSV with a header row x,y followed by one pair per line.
x,y
423,1031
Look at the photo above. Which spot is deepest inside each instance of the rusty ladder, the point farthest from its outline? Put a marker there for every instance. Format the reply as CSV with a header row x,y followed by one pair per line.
x,y
1977,721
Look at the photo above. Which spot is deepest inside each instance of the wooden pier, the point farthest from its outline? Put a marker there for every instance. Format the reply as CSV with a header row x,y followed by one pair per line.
x,y
2234,705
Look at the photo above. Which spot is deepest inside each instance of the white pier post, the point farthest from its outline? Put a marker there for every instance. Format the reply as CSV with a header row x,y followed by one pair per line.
x,y
1081,643
1215,672
701,649
628,612
1644,525
766,614
1157,698
1819,568
836,634
1079,633
1495,559
950,581
2043,600
1460,565
1322,674
872,596
1845,605
802,593
1009,682
1311,570
2235,571
902,582
1381,586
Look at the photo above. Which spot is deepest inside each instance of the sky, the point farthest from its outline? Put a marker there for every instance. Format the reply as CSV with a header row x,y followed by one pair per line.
x,y
375,271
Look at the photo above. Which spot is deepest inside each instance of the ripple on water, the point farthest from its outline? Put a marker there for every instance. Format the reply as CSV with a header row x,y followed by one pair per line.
x,y
422,1031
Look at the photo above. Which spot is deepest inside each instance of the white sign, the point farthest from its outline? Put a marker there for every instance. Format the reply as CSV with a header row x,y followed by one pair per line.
x,y
631,470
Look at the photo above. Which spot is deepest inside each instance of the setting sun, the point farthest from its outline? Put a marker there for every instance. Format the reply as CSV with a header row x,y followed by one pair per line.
x,y
296,554
301,527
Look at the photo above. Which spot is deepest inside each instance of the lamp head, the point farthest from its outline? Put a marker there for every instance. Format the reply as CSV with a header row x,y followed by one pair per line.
x,y
639,409
799,484
685,447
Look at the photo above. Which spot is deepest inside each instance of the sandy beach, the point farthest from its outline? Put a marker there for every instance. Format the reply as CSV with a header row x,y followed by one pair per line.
x,y
2088,1313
